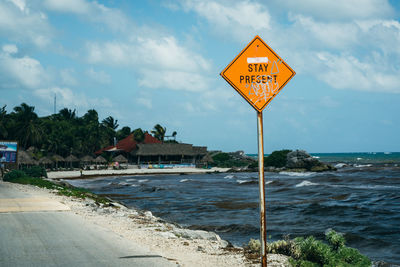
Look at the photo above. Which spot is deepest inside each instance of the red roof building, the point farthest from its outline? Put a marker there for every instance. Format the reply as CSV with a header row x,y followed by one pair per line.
x,y
128,144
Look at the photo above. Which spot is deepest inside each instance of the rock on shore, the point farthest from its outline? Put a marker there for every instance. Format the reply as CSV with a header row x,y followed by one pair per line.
x,y
300,159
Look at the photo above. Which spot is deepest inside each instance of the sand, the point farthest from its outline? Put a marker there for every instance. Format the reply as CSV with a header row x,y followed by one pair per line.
x,y
130,171
183,246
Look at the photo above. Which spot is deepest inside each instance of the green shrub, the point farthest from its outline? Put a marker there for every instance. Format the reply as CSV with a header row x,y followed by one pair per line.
x,y
254,246
334,239
286,247
33,181
253,165
13,175
277,159
353,257
221,157
36,171
309,252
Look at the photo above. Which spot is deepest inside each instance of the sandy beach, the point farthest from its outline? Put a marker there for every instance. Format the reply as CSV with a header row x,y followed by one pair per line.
x,y
76,174
183,246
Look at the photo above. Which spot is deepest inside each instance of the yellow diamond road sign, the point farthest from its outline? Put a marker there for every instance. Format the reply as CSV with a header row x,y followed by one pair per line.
x,y
258,73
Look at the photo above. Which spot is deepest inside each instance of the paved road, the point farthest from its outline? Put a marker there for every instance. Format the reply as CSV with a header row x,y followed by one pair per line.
x,y
46,237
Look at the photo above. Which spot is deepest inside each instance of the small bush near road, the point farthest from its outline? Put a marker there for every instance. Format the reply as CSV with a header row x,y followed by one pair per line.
x,y
35,171
13,175
309,252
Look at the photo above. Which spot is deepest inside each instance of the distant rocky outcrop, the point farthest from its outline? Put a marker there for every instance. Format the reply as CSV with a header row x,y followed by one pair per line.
x,y
301,160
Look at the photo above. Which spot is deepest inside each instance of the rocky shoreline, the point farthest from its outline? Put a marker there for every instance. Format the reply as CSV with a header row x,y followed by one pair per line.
x,y
184,246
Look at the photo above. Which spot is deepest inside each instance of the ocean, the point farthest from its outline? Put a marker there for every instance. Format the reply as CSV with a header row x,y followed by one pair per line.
x,y
361,200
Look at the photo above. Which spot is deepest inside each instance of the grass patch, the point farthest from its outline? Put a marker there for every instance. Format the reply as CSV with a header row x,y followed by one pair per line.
x,y
20,177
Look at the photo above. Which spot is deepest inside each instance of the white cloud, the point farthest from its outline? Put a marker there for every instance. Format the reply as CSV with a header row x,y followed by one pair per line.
x,y
25,71
347,72
241,18
20,25
20,4
111,53
10,49
339,9
176,80
68,77
166,53
67,98
68,6
99,76
92,11
162,62
328,35
146,102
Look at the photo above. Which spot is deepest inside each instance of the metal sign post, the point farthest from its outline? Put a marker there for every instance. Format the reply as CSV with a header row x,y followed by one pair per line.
x,y
261,183
258,74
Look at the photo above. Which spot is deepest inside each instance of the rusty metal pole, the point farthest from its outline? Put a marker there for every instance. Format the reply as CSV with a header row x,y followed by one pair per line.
x,y
261,183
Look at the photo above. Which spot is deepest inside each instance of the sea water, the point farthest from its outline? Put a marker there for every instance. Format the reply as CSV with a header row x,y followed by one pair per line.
x,y
360,200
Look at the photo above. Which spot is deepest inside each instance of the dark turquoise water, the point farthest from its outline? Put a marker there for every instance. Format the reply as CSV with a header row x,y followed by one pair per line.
x,y
361,200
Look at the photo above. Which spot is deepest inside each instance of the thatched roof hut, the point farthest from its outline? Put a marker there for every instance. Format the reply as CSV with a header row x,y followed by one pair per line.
x,y
25,158
100,160
57,158
207,159
87,159
45,161
120,159
71,158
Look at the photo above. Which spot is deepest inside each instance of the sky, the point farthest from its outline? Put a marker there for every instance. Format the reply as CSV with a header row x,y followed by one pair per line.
x,y
148,62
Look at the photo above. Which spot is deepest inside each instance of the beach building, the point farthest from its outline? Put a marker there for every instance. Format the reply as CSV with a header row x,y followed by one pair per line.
x,y
153,151
127,145
168,153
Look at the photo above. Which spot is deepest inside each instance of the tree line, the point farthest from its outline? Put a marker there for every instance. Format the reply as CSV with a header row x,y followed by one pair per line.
x,y
65,133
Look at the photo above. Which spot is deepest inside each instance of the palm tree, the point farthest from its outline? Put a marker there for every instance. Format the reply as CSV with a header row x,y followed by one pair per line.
x,y
123,133
109,122
3,127
28,129
159,132
174,135
67,114
138,135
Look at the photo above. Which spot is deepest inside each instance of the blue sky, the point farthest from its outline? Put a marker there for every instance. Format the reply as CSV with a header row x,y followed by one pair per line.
x,y
149,62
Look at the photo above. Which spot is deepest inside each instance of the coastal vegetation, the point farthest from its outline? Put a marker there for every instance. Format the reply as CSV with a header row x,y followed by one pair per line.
x,y
310,252
34,176
66,133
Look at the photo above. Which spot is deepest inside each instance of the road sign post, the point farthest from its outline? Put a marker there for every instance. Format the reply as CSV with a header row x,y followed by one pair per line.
x,y
261,183
258,74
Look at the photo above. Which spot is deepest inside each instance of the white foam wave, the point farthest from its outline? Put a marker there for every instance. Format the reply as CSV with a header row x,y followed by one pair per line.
x,y
305,183
143,181
229,177
269,182
297,174
362,165
242,181
315,157
123,183
131,180
185,180
340,165
134,185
